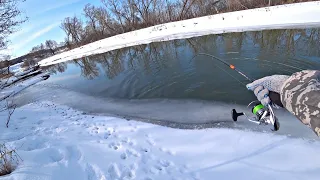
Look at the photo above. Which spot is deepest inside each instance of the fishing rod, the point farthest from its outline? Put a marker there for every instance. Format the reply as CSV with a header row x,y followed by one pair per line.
x,y
263,115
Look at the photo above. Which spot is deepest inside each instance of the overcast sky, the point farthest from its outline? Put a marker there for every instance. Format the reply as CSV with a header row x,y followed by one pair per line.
x,y
45,17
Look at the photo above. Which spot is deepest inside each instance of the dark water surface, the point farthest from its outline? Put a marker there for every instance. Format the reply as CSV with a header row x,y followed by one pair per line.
x,y
168,69
153,81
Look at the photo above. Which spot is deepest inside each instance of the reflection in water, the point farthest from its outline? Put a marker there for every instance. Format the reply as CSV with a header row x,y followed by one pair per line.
x,y
168,69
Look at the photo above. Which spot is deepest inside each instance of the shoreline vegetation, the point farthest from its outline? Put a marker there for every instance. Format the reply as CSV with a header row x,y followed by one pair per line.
x,y
115,17
294,16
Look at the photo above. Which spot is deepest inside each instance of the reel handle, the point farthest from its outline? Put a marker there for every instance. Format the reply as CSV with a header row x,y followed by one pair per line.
x,y
275,98
235,115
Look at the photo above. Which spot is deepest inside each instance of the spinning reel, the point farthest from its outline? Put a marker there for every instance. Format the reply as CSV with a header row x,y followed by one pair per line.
x,y
262,115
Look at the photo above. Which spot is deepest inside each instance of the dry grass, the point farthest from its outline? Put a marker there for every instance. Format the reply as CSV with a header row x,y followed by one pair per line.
x,y
9,160
6,76
6,169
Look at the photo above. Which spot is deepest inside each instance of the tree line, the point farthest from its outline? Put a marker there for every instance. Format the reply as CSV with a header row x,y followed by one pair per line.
x,y
114,17
50,45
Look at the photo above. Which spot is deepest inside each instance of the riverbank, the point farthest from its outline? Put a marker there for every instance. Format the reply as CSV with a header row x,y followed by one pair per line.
x,y
57,142
300,15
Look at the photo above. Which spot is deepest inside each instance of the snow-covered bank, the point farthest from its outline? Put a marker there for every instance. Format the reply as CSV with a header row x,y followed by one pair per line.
x,y
298,15
7,92
57,142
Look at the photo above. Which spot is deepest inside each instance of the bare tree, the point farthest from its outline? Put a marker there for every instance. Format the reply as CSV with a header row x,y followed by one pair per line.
x,y
9,20
113,6
106,24
89,12
73,28
51,45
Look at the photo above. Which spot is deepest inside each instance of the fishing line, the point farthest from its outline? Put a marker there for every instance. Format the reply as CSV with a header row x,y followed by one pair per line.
x,y
227,64
293,67
282,64
230,75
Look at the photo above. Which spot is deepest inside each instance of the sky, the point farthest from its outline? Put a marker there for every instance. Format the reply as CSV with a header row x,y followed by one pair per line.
x,y
44,19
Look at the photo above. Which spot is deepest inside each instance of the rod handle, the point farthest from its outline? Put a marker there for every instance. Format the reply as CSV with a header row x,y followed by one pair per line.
x,y
275,98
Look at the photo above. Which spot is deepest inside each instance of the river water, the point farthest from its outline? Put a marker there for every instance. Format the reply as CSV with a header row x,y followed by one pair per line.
x,y
171,82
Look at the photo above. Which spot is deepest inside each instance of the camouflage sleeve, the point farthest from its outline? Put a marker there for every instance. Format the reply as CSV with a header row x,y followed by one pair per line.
x,y
300,94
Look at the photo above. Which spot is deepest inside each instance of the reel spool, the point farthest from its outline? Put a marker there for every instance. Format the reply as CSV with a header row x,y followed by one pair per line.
x,y
263,115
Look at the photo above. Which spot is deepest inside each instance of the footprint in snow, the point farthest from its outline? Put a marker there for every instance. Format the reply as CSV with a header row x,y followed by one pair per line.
x,y
165,163
146,159
151,142
134,166
125,173
40,122
132,152
32,144
117,136
115,145
167,151
110,131
91,173
130,175
48,156
106,135
73,153
195,176
125,140
132,143
124,156
154,170
114,171
171,152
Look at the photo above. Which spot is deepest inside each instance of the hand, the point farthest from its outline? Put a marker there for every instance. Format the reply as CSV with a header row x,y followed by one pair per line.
x,y
263,86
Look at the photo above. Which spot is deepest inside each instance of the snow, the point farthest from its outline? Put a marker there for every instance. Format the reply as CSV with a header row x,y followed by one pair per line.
x,y
16,68
299,15
58,142
22,73
12,91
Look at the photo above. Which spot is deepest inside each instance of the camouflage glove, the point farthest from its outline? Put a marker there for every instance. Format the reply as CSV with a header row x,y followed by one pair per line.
x,y
262,87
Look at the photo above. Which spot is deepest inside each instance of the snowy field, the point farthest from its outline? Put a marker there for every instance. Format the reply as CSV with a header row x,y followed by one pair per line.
x,y
57,142
60,143
300,15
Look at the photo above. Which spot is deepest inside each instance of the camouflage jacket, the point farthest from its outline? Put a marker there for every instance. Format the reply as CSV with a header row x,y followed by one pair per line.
x,y
300,94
